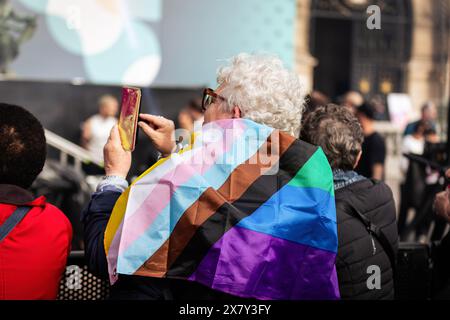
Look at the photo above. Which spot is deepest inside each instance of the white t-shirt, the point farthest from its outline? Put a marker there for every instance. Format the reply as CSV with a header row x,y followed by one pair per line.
x,y
100,130
411,145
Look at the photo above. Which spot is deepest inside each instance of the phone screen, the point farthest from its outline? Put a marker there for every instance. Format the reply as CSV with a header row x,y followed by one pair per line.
x,y
129,114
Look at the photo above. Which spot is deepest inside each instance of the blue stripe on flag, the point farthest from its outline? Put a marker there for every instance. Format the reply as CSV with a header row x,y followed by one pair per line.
x,y
291,214
155,236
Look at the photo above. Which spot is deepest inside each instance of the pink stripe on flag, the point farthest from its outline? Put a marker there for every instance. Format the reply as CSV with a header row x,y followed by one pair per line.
x,y
113,254
160,196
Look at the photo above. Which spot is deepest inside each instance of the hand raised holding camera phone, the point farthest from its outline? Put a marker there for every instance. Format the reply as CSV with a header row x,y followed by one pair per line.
x,y
117,160
129,113
161,132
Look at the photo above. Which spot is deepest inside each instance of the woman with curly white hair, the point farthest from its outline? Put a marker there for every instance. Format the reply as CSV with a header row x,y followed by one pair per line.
x,y
255,87
291,208
259,88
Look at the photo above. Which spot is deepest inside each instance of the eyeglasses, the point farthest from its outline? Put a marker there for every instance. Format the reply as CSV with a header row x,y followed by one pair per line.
x,y
209,97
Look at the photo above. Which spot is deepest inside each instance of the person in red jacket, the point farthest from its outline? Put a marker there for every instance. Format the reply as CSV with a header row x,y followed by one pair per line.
x,y
35,236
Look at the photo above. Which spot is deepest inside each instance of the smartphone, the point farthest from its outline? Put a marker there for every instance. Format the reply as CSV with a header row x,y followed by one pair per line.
x,y
129,116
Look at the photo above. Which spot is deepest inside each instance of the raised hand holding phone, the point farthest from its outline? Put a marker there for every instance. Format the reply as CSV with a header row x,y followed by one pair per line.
x,y
161,132
129,114
117,160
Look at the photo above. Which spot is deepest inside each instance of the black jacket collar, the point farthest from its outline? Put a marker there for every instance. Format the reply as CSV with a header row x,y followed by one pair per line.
x,y
11,194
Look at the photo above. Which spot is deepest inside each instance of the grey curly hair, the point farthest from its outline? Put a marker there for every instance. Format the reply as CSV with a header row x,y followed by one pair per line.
x,y
265,91
337,131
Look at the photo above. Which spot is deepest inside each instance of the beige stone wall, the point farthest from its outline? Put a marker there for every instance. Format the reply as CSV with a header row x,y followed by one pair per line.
x,y
425,72
304,61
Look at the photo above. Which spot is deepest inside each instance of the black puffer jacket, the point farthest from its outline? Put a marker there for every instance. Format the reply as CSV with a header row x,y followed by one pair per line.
x,y
356,252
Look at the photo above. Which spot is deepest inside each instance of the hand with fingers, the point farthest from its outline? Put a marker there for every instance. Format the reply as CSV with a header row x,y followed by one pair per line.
x,y
161,132
117,160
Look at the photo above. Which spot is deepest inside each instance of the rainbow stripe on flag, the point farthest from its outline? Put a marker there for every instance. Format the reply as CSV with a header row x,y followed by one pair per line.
x,y
248,210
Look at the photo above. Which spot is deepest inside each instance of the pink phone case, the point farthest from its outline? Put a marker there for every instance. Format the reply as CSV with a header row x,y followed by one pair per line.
x,y
129,116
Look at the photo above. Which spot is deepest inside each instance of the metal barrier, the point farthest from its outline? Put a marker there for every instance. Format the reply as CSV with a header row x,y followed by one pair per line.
x,y
79,284
413,279
67,148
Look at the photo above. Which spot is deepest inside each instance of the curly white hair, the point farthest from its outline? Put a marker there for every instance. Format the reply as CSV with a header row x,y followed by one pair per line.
x,y
264,90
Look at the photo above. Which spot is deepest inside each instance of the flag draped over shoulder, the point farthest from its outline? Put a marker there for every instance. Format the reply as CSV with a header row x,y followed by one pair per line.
x,y
248,210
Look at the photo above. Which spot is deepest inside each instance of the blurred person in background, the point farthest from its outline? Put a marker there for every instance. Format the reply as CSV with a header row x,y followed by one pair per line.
x,y
352,100
337,131
35,236
428,114
190,115
313,101
373,157
190,120
413,185
414,143
378,102
420,183
96,129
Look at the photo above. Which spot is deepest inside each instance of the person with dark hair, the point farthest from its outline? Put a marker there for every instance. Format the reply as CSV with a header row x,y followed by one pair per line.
x,y
314,100
361,205
428,114
371,164
35,236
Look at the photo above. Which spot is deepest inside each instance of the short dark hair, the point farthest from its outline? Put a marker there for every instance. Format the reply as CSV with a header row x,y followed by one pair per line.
x,y
337,131
367,109
314,100
22,146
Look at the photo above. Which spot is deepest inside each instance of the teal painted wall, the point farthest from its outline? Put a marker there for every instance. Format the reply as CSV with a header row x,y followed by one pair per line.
x,y
149,42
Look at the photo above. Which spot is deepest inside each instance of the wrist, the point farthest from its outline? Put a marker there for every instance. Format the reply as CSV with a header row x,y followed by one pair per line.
x,y
172,150
112,182
115,173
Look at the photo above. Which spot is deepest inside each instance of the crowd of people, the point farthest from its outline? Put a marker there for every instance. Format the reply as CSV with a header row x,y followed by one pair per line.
x,y
35,236
419,182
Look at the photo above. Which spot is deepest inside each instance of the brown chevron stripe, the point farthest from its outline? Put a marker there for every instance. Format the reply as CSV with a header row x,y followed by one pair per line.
x,y
230,214
208,204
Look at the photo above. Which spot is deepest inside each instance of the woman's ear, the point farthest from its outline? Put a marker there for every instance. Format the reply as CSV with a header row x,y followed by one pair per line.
x,y
357,159
237,114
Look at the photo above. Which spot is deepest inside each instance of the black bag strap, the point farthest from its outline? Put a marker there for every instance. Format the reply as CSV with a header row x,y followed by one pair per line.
x,y
373,229
13,220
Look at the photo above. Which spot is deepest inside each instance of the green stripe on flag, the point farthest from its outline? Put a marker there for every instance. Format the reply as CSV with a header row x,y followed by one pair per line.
x,y
316,173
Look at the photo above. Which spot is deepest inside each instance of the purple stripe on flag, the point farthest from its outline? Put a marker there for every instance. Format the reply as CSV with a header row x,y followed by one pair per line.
x,y
246,263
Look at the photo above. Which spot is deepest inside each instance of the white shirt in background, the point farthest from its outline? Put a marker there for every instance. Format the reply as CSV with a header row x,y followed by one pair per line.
x,y
100,128
411,145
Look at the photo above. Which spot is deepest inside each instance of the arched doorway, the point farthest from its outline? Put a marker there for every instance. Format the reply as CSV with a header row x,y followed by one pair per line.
x,y
352,57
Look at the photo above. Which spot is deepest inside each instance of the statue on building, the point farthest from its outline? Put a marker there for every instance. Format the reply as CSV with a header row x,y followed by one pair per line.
x,y
14,30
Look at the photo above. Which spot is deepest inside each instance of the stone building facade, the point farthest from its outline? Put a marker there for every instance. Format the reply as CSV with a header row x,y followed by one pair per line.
x,y
410,53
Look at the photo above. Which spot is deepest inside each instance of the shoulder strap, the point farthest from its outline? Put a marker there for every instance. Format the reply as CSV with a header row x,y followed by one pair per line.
x,y
373,229
13,221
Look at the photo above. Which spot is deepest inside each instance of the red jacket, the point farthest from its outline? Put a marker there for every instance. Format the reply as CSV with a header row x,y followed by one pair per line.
x,y
34,255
